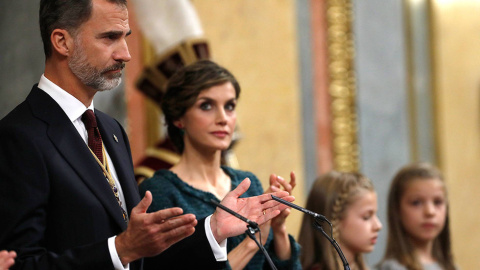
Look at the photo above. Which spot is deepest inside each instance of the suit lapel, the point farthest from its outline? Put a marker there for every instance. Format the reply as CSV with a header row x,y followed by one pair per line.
x,y
68,142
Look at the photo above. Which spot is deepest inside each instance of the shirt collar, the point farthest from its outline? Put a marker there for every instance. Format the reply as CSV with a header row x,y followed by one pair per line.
x,y
69,104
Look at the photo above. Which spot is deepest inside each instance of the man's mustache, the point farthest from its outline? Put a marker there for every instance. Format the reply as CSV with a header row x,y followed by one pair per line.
x,y
117,66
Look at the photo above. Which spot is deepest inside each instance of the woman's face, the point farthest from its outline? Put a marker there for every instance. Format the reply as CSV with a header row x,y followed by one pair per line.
x,y
358,229
209,124
423,209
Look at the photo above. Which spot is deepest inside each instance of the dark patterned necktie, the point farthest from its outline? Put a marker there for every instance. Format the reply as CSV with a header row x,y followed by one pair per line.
x,y
95,144
94,137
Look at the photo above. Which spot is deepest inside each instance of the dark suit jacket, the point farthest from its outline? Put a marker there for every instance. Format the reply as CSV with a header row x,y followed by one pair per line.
x,y
56,208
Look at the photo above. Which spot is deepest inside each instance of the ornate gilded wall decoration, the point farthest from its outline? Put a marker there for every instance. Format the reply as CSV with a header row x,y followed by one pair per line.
x,y
342,85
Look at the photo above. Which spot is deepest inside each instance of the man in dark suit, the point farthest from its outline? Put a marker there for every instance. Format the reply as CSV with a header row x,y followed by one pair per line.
x,y
65,206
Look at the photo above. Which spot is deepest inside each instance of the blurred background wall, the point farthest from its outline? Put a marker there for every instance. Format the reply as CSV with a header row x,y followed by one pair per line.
x,y
351,85
456,64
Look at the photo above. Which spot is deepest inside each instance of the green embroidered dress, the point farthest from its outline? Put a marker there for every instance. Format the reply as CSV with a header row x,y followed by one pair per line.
x,y
169,190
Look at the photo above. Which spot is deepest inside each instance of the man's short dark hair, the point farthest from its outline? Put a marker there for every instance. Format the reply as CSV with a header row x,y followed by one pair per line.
x,y
64,14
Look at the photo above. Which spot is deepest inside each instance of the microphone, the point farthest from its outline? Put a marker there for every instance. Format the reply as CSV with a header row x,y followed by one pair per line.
x,y
319,227
252,228
301,209
252,224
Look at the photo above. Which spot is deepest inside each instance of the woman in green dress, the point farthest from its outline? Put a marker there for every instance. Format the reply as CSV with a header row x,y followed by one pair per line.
x,y
199,108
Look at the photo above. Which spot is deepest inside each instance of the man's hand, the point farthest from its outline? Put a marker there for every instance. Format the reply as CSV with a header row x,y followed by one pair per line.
x,y
259,209
149,234
7,259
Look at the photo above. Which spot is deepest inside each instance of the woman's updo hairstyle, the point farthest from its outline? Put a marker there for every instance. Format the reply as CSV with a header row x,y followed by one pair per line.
x,y
183,89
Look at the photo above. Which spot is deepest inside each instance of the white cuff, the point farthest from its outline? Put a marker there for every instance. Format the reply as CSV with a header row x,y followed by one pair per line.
x,y
117,264
219,250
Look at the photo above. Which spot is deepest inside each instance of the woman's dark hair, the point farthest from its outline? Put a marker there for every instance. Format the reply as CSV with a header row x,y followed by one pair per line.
x,y
183,89
64,14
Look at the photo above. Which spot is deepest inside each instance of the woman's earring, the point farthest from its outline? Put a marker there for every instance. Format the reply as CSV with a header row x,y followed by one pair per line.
x,y
180,127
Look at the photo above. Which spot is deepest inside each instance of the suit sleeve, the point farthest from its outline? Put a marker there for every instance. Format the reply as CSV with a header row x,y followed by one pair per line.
x,y
24,200
193,252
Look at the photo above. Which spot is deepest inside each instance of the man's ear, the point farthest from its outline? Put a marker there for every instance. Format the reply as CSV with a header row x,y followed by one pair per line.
x,y
62,42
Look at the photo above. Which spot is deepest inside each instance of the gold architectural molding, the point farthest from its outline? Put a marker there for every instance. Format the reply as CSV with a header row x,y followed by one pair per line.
x,y
342,85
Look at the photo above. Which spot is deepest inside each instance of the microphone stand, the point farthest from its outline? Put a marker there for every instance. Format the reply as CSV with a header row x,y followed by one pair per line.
x,y
334,243
252,228
317,225
251,233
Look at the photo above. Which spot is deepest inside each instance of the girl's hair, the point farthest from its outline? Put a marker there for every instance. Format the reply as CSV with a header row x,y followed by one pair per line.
x,y
331,194
399,244
183,89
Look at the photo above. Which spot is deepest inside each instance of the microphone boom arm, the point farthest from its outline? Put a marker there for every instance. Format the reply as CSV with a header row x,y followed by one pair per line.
x,y
301,209
334,243
252,228
253,224
318,218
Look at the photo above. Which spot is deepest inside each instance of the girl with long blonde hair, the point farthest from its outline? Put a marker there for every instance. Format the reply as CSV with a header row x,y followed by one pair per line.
x,y
349,201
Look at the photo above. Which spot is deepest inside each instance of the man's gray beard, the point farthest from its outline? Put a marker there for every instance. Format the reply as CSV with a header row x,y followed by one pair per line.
x,y
89,75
